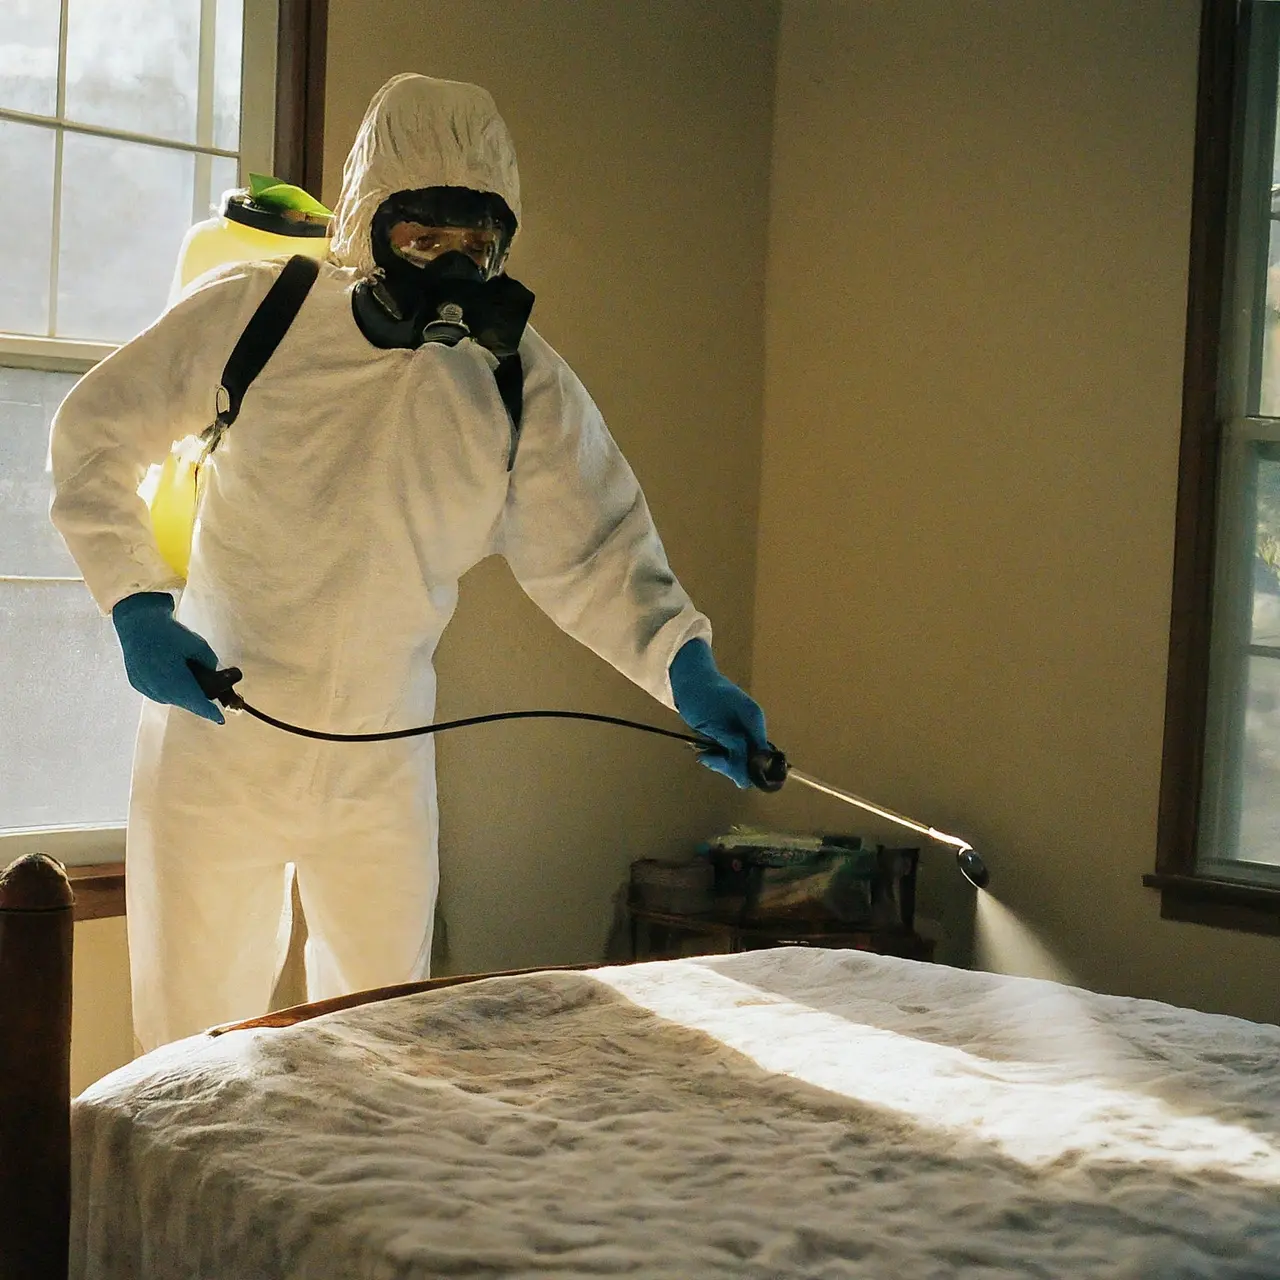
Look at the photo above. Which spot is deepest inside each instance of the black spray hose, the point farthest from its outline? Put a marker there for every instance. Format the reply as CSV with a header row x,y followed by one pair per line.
x,y
766,769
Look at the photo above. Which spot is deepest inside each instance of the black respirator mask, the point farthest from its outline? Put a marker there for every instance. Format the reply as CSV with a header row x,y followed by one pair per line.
x,y
439,251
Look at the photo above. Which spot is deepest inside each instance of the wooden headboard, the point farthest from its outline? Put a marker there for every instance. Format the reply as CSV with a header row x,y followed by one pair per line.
x,y
36,915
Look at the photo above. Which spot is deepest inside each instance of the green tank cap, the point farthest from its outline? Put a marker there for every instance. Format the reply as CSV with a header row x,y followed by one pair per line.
x,y
268,204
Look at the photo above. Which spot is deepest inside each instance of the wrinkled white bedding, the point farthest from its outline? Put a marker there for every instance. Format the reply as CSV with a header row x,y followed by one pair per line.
x,y
788,1113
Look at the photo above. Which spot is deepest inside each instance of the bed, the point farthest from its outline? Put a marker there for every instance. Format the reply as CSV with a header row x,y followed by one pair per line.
x,y
792,1112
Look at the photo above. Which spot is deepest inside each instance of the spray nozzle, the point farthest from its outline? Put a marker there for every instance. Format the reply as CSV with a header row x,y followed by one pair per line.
x,y
767,769
218,686
972,867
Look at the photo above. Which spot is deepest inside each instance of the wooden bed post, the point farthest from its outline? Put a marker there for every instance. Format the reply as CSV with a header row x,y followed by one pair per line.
x,y
36,911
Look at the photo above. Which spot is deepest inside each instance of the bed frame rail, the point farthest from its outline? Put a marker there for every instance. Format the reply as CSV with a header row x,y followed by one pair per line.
x,y
318,1008
36,912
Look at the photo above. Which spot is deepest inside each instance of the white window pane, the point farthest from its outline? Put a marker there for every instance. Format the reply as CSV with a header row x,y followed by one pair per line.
x,y
69,715
26,226
215,176
29,55
1266,603
134,66
226,177
125,209
226,74
1269,389
1260,796
29,544
1266,575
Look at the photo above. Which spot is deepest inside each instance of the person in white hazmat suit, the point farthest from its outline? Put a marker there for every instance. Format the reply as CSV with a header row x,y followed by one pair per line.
x,y
370,468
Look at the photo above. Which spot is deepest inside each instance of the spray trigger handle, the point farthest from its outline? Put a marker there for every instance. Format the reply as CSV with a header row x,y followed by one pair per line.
x,y
767,769
218,686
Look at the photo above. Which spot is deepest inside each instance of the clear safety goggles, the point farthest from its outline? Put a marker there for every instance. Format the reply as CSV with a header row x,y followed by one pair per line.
x,y
421,244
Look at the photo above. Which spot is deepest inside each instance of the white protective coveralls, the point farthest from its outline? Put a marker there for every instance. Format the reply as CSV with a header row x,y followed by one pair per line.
x,y
338,513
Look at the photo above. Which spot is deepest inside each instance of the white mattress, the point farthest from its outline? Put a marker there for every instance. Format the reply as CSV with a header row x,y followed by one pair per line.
x,y
788,1113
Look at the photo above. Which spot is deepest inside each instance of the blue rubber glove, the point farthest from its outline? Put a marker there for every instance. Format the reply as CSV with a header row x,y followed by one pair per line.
x,y
712,705
156,648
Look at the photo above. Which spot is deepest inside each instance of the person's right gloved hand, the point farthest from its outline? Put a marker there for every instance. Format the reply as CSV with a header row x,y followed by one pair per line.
x,y
156,648
714,706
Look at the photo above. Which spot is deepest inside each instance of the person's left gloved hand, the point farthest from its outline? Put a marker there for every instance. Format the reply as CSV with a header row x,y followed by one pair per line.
x,y
714,706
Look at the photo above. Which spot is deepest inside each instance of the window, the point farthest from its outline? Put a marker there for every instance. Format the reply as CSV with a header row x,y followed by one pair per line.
x,y
120,126
1219,850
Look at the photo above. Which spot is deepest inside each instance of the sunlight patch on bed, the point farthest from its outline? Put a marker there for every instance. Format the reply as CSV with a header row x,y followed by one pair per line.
x,y
1036,1112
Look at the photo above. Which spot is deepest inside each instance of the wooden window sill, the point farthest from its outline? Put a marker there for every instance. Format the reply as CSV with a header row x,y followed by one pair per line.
x,y
99,890
1224,904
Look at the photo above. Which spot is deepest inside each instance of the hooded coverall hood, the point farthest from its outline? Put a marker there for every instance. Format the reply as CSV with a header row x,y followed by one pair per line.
x,y
420,132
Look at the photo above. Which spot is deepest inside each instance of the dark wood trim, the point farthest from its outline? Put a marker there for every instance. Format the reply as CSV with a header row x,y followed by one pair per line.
x,y
36,940
1224,904
301,51
1186,694
98,889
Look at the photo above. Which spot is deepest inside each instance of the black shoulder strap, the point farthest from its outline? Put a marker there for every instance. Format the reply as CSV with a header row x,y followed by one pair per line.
x,y
268,324
509,375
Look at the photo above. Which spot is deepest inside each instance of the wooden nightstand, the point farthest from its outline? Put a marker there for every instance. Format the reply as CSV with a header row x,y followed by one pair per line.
x,y
659,935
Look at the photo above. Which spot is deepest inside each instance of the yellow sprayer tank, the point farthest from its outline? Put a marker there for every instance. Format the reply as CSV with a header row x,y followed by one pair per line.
x,y
269,220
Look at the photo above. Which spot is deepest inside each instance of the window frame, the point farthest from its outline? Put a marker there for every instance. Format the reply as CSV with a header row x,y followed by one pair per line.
x,y
1187,892
295,131
301,59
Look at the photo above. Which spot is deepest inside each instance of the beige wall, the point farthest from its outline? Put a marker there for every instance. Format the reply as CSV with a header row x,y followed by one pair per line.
x,y
101,1026
976,311
643,136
